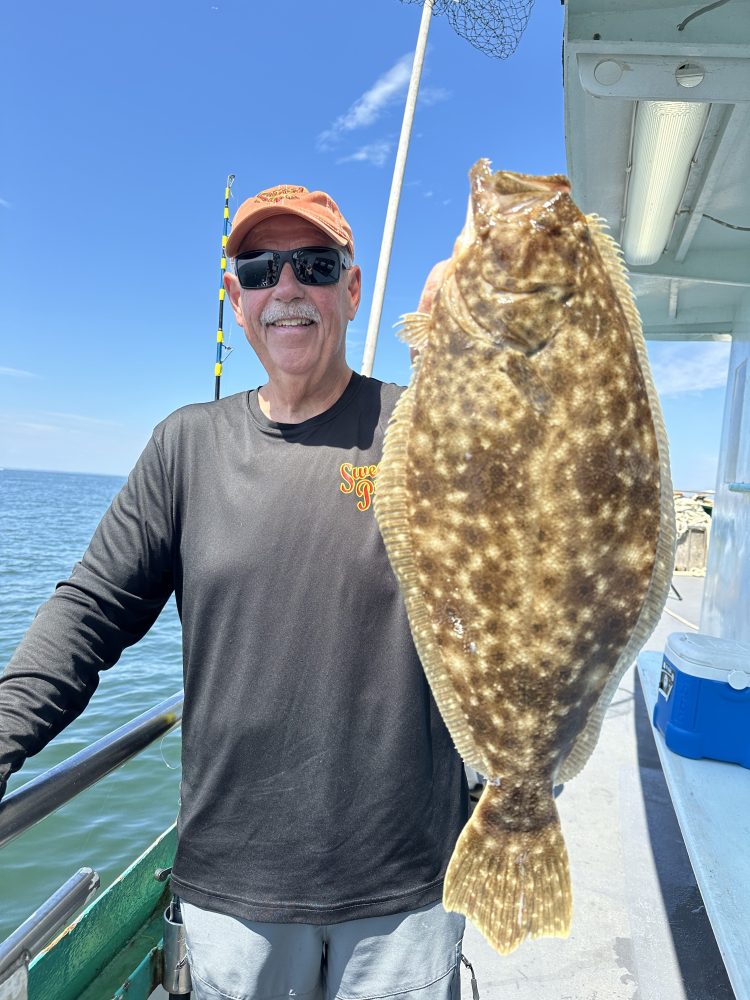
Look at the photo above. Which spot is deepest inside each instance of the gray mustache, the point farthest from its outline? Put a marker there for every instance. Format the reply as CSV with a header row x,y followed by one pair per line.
x,y
287,310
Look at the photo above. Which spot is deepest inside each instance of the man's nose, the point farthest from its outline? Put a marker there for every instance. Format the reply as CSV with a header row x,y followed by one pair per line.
x,y
287,286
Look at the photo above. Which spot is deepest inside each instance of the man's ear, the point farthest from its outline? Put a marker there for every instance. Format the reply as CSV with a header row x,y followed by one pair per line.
x,y
234,293
354,290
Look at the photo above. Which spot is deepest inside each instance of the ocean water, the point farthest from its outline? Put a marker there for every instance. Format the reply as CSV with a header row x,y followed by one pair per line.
x,y
46,521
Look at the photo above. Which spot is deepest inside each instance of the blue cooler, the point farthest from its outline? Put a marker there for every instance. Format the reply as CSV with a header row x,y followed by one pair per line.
x,y
703,704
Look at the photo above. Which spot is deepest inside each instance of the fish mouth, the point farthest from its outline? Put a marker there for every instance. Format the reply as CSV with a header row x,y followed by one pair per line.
x,y
510,183
510,194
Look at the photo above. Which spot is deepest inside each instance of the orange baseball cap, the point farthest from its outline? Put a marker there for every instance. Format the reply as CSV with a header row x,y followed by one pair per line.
x,y
290,199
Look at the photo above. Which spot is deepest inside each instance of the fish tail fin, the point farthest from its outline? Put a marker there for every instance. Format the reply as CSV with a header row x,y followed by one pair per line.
x,y
512,884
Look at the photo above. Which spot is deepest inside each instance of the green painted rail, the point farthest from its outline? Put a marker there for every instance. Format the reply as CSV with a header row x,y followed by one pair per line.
x,y
113,949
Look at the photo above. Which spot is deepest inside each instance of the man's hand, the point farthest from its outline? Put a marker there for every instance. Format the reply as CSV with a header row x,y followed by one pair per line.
x,y
434,279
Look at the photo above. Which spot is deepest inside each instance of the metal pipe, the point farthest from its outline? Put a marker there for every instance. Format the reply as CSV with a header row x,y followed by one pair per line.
x,y
47,792
628,172
381,276
34,933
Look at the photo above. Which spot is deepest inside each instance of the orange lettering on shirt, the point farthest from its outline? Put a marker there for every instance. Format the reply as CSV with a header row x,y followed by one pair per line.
x,y
365,489
358,479
346,474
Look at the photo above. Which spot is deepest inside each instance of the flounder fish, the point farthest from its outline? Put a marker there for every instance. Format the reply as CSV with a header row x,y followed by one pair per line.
x,y
525,502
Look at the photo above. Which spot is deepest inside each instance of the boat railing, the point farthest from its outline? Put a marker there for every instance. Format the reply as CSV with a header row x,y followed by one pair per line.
x,y
35,800
41,796
28,940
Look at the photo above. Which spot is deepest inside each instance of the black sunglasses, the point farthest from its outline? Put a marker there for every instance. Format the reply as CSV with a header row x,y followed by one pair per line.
x,y
311,266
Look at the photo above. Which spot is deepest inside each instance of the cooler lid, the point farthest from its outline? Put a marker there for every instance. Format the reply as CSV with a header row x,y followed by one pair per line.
x,y
709,650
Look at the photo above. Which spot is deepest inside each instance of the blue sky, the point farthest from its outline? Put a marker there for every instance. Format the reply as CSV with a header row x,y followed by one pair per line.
x,y
121,123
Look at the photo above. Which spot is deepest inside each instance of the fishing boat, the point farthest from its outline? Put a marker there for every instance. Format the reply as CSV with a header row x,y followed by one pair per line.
x,y
657,111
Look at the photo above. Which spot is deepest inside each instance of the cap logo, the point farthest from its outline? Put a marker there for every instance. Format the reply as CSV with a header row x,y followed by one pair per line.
x,y
280,193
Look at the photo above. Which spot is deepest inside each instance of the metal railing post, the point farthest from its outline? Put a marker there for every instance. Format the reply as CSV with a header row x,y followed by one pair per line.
x,y
28,940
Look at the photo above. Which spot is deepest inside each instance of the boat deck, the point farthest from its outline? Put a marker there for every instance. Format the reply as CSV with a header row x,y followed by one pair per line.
x,y
640,930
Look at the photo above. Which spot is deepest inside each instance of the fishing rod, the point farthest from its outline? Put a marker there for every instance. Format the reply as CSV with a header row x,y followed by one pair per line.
x,y
221,348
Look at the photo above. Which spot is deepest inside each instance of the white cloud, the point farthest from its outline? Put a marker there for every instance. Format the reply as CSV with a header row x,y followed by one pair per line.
x,y
432,95
16,372
5,204
368,108
388,89
375,153
691,368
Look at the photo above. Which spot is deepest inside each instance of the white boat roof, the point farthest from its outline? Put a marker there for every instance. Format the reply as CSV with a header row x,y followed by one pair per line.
x,y
694,290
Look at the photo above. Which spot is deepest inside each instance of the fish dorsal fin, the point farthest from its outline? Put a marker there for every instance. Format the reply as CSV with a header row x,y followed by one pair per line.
x,y
661,577
414,329
612,258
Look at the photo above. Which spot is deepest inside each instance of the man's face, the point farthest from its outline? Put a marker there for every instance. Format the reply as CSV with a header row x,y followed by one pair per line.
x,y
295,329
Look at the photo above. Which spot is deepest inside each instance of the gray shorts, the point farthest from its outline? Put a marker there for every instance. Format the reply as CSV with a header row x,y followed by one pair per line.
x,y
406,956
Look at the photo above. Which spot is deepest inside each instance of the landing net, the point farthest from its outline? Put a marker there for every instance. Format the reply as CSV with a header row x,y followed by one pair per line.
x,y
492,26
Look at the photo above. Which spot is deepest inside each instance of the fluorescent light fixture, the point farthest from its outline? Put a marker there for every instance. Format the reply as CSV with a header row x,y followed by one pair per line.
x,y
666,136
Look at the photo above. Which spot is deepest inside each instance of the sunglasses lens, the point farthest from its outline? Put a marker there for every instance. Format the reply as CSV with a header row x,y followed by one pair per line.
x,y
312,266
260,270
317,267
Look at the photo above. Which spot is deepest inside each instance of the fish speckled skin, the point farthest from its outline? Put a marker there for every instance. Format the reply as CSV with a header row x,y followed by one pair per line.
x,y
526,506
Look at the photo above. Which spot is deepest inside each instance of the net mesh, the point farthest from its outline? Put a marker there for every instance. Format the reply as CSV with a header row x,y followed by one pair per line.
x,y
492,26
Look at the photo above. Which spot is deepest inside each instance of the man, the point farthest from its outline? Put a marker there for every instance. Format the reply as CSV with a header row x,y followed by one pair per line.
x,y
321,795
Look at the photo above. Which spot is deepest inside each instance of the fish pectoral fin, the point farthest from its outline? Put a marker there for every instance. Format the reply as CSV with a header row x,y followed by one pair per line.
x,y
414,329
512,884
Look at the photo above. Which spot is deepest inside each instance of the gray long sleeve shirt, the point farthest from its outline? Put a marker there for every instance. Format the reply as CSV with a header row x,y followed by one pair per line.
x,y
319,782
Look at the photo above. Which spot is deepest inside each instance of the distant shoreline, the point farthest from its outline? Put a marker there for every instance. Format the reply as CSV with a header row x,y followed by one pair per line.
x,y
66,472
